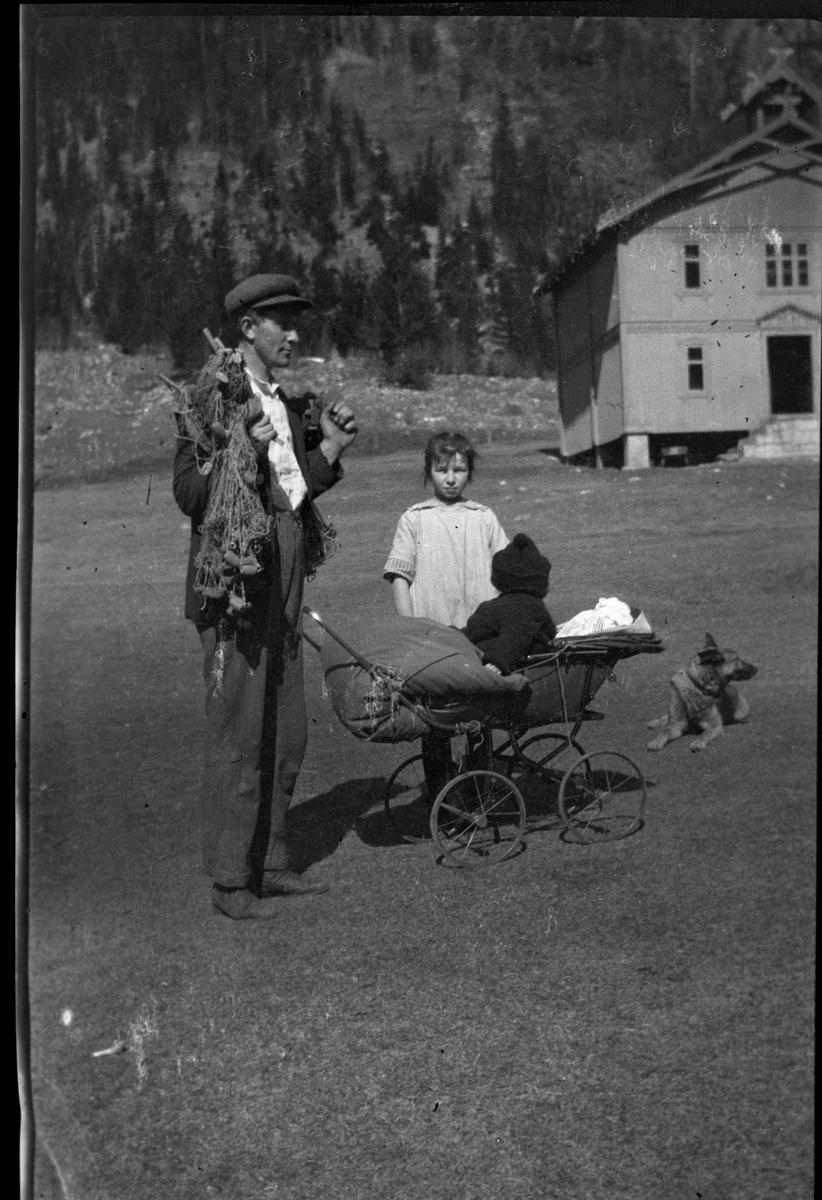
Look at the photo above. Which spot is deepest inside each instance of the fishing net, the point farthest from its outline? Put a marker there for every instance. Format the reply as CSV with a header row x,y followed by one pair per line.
x,y
320,540
215,414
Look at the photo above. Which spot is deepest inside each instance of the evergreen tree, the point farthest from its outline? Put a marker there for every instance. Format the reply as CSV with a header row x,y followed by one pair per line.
x,y
408,324
52,290
533,214
185,301
262,181
335,125
458,295
346,176
113,298
480,239
342,155
113,176
374,215
317,324
68,273
140,305
220,275
316,194
350,326
158,189
424,196
78,187
50,183
512,286
362,143
90,123
382,177
505,171
423,48
129,297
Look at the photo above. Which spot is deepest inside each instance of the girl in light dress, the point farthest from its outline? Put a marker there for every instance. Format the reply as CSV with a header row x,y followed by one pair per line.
x,y
440,561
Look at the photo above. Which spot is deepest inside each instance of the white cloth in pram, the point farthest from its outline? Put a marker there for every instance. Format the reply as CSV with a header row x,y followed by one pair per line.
x,y
609,613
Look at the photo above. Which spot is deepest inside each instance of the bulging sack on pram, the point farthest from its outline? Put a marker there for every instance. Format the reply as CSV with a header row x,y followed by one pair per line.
x,y
422,659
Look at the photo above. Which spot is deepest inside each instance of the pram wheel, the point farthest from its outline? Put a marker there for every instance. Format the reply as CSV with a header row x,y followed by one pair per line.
x,y
406,804
602,797
478,818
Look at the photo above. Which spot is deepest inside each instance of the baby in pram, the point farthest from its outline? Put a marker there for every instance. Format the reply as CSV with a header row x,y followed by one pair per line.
x,y
516,623
508,628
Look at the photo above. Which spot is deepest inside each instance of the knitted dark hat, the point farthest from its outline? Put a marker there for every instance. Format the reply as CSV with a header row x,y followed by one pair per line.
x,y
265,291
520,568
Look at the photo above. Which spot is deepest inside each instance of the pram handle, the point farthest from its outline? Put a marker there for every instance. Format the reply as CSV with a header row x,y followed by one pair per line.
x,y
364,663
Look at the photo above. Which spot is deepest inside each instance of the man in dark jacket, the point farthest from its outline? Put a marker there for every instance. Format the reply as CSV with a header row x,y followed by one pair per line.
x,y
255,700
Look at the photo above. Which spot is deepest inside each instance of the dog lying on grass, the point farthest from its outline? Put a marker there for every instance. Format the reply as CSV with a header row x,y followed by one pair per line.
x,y
702,697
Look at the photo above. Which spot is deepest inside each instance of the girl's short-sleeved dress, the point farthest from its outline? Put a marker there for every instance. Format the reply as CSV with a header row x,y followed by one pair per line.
x,y
445,552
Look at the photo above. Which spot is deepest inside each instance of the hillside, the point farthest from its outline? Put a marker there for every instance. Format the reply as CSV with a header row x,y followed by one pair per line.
x,y
419,174
100,413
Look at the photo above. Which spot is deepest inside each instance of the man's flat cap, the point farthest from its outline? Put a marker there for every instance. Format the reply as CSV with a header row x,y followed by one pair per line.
x,y
264,291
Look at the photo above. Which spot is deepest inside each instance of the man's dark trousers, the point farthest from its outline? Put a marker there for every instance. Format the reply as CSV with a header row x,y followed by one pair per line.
x,y
256,722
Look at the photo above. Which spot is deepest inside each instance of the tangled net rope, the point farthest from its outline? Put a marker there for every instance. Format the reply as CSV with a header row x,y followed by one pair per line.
x,y
320,541
384,693
214,414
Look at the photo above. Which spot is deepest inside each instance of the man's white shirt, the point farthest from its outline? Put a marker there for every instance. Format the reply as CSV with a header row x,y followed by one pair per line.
x,y
281,454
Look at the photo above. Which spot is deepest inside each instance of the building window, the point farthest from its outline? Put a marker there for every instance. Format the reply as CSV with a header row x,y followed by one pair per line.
x,y
786,264
696,369
692,274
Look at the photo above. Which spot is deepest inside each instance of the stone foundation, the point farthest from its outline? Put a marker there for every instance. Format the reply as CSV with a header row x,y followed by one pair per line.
x,y
637,452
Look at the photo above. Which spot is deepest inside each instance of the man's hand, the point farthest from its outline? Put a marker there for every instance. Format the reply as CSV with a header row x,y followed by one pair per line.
x,y
262,433
339,429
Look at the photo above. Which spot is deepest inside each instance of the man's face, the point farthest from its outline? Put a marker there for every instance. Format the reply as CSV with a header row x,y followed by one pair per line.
x,y
275,335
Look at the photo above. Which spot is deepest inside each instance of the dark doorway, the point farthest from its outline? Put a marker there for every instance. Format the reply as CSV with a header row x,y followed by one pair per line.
x,y
789,368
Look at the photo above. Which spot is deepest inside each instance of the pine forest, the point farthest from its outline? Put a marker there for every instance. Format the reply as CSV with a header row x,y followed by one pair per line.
x,y
419,174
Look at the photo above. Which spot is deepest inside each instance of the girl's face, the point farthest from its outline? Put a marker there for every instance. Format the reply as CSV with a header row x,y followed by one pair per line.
x,y
450,477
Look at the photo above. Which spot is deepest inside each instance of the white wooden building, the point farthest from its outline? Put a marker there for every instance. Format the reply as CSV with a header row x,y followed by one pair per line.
x,y
691,319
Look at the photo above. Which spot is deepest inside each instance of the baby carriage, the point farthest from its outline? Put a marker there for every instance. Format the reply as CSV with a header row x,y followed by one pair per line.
x,y
479,816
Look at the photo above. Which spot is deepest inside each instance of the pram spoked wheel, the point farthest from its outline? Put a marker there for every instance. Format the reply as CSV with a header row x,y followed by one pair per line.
x,y
406,803
478,818
602,797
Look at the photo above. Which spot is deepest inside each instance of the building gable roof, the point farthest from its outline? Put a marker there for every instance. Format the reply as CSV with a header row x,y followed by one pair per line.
x,y
786,145
764,147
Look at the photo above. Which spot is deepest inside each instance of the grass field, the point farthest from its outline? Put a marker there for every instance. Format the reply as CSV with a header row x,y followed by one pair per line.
x,y
622,1022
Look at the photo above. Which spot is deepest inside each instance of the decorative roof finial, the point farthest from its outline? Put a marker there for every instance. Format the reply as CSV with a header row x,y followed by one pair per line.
x,y
788,104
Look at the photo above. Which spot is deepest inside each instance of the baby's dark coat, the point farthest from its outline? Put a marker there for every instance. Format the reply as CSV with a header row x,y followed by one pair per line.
x,y
509,628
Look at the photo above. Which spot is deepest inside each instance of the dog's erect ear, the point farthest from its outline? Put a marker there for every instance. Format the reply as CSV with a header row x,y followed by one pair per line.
x,y
711,655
